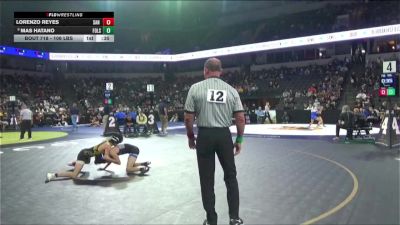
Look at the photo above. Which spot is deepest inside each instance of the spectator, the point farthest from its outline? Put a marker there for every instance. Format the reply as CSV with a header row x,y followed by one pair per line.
x,y
285,118
260,115
174,118
311,90
163,113
74,111
267,108
360,120
26,118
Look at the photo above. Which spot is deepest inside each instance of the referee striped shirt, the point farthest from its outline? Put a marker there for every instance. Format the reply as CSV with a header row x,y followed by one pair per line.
x,y
213,101
26,114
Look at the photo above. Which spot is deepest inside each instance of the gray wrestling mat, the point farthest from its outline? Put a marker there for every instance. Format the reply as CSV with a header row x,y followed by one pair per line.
x,y
281,181
109,176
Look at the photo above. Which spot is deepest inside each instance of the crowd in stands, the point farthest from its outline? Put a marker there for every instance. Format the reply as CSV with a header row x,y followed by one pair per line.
x,y
131,94
326,85
244,83
49,107
38,92
292,86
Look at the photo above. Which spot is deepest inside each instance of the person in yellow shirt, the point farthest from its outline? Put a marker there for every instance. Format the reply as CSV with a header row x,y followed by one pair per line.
x,y
141,122
3,119
141,119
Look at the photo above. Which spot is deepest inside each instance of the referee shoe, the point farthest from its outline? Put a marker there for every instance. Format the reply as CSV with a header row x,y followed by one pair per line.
x,y
207,223
237,221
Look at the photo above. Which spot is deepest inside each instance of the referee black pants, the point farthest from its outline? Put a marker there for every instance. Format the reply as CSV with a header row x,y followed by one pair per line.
x,y
26,126
349,133
209,142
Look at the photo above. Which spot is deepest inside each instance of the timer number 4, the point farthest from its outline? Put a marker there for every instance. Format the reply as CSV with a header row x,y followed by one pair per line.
x,y
389,67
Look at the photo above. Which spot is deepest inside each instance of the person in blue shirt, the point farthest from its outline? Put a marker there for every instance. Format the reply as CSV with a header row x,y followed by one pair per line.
x,y
130,123
366,113
316,111
260,115
120,116
133,115
360,120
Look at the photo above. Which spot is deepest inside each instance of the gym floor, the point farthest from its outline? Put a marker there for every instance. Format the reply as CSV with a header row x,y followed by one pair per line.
x,y
281,181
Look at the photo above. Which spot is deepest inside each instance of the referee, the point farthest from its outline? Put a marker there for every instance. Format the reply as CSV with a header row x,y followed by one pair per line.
x,y
26,122
213,102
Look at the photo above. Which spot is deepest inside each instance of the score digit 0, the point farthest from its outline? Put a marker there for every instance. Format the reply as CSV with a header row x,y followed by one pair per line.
x,y
108,30
108,21
383,92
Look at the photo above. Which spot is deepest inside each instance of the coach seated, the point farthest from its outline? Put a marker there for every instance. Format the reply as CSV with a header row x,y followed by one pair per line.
x,y
285,117
130,122
372,115
141,123
346,121
120,115
360,122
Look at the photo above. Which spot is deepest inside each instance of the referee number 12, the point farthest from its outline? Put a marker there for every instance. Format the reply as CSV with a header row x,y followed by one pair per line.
x,y
216,96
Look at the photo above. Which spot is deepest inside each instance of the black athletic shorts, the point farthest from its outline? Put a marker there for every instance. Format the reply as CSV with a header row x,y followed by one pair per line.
x,y
128,149
123,149
98,159
85,155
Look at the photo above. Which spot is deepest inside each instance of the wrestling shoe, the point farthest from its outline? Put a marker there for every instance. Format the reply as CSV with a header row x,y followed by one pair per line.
x,y
147,163
235,221
144,170
49,177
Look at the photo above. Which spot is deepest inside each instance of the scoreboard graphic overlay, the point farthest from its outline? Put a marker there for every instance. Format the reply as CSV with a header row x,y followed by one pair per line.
x,y
64,26
389,134
389,83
